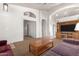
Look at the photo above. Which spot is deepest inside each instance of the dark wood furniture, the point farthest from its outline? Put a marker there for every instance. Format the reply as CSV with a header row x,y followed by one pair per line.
x,y
60,34
40,45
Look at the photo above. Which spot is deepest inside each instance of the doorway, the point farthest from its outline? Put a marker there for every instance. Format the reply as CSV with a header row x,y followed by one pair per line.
x,y
43,27
29,29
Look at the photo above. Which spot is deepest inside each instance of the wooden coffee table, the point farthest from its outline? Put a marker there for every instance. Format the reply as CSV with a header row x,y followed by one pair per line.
x,y
38,46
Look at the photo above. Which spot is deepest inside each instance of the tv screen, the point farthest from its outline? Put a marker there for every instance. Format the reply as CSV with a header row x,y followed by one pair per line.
x,y
68,28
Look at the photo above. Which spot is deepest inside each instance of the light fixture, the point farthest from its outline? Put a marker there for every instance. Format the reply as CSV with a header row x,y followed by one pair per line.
x,y
77,27
5,7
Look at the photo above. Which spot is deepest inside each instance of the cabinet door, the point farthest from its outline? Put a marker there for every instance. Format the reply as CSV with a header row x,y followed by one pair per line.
x,y
76,35
58,35
58,27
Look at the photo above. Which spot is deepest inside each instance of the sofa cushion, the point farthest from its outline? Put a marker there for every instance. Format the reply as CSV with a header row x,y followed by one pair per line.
x,y
7,53
4,48
3,42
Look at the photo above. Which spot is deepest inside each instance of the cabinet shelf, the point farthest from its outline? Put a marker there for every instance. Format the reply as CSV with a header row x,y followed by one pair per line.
x,y
60,34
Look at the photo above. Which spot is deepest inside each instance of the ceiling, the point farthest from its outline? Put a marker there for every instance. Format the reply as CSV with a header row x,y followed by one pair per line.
x,y
52,7
40,6
67,12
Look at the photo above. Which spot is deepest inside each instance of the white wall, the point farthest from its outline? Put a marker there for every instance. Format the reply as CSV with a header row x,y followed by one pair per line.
x,y
44,16
11,23
39,16
52,26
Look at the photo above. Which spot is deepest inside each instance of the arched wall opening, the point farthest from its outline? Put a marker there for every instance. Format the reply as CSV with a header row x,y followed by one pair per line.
x,y
53,21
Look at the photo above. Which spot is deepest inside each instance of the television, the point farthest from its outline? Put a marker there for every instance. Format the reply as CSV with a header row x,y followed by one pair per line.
x,y
68,28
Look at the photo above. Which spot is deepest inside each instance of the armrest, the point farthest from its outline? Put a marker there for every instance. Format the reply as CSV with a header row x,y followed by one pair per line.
x,y
5,48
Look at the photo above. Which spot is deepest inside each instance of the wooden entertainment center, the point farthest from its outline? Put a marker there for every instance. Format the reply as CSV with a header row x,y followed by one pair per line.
x,y
61,34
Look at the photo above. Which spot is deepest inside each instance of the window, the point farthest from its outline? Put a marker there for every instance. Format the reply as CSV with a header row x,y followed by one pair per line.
x,y
30,14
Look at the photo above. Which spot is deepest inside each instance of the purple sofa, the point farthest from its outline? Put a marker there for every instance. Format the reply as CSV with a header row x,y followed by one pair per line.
x,y
5,49
65,48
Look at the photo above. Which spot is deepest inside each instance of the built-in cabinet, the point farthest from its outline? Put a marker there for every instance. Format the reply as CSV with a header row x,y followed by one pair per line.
x,y
70,35
61,35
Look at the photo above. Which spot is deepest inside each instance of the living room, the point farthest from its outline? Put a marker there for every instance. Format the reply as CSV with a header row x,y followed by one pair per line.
x,y
37,29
